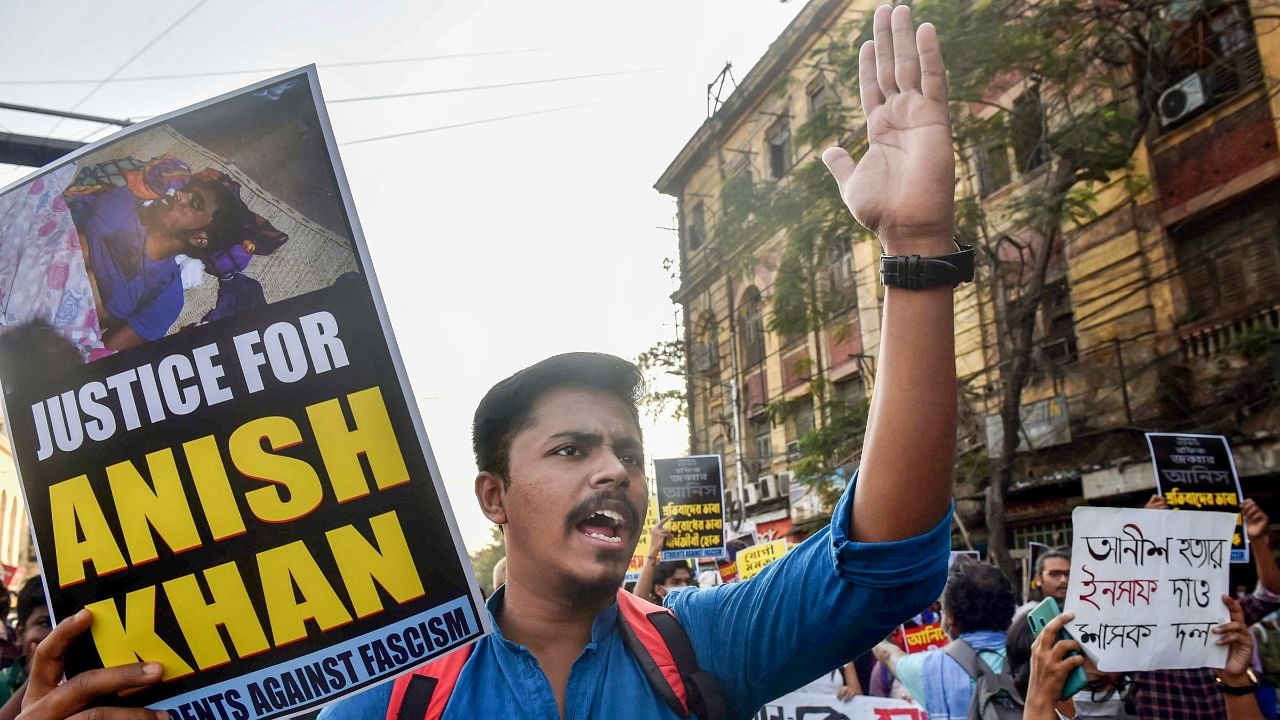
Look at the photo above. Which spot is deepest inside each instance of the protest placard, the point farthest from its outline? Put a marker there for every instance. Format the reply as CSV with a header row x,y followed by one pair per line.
x,y
1197,472
817,706
642,548
728,567
690,494
969,555
754,559
921,637
214,431
1146,587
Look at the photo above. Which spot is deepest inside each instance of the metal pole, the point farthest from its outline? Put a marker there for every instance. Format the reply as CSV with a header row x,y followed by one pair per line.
x,y
64,114
736,401
1124,383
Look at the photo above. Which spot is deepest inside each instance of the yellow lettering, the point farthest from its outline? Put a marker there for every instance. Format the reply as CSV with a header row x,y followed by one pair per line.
x,y
282,569
210,478
296,476
74,508
231,608
390,563
142,508
133,639
373,437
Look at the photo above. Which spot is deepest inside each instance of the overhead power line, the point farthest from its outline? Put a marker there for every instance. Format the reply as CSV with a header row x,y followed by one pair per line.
x,y
518,83
474,122
259,71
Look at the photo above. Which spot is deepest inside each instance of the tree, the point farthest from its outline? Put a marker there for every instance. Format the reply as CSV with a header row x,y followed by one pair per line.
x,y
483,560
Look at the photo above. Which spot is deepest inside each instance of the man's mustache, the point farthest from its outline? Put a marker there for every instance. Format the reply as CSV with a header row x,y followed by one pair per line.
x,y
606,500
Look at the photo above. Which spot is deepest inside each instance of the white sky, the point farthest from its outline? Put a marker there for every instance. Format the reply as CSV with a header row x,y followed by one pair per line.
x,y
497,244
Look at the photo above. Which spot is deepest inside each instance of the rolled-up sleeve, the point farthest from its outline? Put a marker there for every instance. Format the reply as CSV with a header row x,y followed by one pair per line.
x,y
823,604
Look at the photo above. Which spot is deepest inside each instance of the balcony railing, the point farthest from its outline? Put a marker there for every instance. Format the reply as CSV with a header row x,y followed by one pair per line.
x,y
1209,341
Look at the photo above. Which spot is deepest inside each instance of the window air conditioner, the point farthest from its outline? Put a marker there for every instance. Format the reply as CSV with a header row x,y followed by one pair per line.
x,y
784,484
750,495
1182,99
768,487
793,450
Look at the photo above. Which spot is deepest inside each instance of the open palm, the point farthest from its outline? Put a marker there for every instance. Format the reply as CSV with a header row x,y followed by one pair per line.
x,y
903,187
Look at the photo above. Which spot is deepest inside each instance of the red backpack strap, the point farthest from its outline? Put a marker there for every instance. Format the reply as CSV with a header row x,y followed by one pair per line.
x,y
661,646
423,693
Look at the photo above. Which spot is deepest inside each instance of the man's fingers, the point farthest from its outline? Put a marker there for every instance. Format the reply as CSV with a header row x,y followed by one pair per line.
x,y
1063,647
47,667
906,61
882,33
1233,607
83,689
839,164
116,713
933,72
868,84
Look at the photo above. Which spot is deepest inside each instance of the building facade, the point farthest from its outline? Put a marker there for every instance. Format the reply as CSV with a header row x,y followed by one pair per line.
x,y
1161,312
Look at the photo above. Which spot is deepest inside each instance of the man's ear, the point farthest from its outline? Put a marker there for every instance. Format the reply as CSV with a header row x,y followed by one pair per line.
x,y
492,496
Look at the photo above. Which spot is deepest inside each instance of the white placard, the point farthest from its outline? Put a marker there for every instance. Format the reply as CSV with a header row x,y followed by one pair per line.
x,y
801,705
1146,587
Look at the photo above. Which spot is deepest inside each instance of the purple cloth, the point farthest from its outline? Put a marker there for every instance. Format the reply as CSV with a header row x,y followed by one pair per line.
x,y
145,293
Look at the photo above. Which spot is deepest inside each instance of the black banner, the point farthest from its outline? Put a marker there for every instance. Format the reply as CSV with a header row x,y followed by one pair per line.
x,y
1197,472
690,493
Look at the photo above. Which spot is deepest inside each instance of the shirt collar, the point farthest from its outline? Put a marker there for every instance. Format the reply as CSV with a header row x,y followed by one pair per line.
x,y
602,627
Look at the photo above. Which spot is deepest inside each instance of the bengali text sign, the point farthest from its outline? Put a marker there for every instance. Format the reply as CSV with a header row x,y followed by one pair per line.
x,y
1197,472
1146,587
819,706
691,498
754,559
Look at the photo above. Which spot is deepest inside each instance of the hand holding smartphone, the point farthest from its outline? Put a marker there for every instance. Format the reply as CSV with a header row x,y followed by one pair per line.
x,y
1041,616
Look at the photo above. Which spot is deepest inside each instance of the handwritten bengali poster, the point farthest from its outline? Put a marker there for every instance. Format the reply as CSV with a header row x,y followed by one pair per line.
x,y
802,705
1146,587
1197,472
921,638
691,497
755,558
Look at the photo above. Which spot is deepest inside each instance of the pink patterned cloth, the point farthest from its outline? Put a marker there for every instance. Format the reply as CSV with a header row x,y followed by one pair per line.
x,y
42,271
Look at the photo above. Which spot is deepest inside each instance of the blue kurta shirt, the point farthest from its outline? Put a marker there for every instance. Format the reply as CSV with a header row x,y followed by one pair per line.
x,y
815,609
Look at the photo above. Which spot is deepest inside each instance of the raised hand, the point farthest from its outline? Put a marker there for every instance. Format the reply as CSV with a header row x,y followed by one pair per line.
x,y
1050,666
903,188
1239,640
1255,520
48,698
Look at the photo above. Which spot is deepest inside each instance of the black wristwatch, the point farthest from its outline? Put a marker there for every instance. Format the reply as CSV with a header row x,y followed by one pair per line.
x,y
912,272
1249,689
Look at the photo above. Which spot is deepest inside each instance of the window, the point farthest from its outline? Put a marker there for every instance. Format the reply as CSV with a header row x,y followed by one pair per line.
x,y
852,391
705,355
1214,40
751,329
842,288
780,157
1028,126
696,223
1059,325
1230,260
993,169
760,432
801,421
818,95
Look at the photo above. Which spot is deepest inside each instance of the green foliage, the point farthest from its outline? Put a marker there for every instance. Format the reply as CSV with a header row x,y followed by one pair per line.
x,y
663,365
1255,344
483,560
837,444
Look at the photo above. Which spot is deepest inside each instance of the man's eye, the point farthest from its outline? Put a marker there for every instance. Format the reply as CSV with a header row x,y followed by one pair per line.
x,y
629,459
569,451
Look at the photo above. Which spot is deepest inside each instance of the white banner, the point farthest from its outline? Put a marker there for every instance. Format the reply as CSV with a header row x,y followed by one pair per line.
x,y
820,706
1146,587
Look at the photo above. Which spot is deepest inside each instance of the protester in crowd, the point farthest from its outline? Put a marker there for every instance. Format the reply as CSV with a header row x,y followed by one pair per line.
x,y
1106,695
1053,574
1193,693
33,626
1052,660
560,456
977,606
10,648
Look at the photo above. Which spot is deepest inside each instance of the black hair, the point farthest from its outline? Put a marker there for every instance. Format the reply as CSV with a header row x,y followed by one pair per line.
x,y
227,227
666,570
506,409
1062,552
36,354
1017,653
30,598
978,597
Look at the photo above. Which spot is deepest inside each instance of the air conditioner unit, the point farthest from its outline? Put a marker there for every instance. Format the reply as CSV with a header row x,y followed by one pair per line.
x,y
750,495
784,484
768,487
793,450
1182,99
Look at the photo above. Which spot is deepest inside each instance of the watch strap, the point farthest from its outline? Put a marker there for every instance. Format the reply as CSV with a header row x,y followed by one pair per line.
x,y
913,272
1248,689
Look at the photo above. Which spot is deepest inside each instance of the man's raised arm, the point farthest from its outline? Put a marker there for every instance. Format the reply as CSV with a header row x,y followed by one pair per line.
x,y
903,190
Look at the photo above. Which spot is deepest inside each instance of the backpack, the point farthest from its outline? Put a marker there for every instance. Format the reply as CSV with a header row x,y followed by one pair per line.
x,y
653,637
995,697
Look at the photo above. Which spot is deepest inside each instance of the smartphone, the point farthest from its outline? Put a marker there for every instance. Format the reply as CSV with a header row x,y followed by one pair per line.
x,y
1040,616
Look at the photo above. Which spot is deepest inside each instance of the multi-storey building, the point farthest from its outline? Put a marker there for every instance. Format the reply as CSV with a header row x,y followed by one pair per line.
x,y
1161,313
